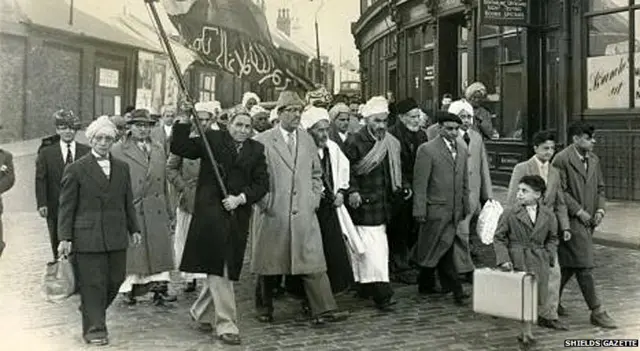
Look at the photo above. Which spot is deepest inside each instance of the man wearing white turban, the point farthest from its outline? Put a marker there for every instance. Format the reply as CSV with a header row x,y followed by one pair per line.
x,y
334,220
96,221
250,99
376,178
475,94
259,119
209,110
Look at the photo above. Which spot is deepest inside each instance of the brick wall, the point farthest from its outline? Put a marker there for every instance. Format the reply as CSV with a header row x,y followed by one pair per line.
x,y
12,50
53,73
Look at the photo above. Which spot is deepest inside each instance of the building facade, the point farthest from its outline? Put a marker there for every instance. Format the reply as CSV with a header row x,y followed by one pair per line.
x,y
561,61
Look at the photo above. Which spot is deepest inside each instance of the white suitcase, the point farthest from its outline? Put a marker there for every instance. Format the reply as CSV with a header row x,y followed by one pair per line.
x,y
512,295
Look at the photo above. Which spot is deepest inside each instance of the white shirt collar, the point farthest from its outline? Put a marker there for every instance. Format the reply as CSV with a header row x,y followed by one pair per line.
x,y
286,134
167,129
95,154
63,146
343,136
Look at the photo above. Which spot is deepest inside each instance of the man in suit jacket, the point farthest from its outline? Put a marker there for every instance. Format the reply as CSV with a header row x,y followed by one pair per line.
x,y
287,240
583,187
440,202
95,217
544,147
50,164
218,233
480,188
7,179
402,227
161,133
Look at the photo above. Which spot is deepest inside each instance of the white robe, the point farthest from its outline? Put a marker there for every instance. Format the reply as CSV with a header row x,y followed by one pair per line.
x,y
368,248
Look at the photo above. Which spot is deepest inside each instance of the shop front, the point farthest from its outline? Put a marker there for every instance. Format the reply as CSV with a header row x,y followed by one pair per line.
x,y
544,66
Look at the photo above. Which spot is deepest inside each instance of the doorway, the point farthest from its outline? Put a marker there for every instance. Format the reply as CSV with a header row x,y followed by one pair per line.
x,y
452,56
109,86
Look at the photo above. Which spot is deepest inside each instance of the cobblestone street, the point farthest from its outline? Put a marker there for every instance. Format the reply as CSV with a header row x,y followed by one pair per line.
x,y
27,322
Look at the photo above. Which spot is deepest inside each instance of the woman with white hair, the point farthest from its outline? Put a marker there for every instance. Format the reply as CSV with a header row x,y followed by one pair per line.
x,y
96,221
475,94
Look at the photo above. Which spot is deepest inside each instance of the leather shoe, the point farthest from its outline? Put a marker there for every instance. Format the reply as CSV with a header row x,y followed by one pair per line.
x,y
98,341
562,311
230,339
552,324
265,318
386,306
331,317
603,320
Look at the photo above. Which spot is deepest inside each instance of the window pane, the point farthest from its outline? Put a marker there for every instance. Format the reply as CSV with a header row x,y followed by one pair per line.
x,y
428,81
512,47
427,35
598,5
489,30
608,62
489,65
416,72
510,124
464,36
553,12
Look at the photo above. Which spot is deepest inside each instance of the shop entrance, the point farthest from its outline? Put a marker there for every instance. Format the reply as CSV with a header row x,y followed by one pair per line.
x,y
452,76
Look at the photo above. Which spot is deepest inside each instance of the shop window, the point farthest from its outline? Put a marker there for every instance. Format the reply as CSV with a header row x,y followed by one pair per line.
x,y
501,70
600,5
608,60
428,36
428,81
207,87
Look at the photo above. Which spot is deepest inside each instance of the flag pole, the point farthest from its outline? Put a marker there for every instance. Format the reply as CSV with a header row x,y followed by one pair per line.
x,y
183,88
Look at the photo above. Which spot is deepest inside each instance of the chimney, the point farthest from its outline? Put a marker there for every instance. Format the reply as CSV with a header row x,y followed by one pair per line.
x,y
283,22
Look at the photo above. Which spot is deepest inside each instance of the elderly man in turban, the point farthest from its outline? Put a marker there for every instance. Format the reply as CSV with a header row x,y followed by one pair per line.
x,y
97,221
340,117
402,228
250,99
479,185
210,110
259,119
52,159
333,217
148,265
476,94
376,181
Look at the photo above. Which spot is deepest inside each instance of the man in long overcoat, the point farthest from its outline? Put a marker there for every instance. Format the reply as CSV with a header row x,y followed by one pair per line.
x,y
287,240
480,188
583,186
440,202
219,229
7,179
402,227
152,261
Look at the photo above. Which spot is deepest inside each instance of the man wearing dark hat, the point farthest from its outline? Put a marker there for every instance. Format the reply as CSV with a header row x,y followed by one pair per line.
x,y
402,230
440,202
148,265
287,238
50,164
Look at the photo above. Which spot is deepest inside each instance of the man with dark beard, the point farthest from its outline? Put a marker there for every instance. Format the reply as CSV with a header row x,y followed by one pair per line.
x,y
376,178
402,229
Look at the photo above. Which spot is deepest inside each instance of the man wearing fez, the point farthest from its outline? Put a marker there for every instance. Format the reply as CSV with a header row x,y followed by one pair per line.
x,y
440,197
583,187
333,217
480,188
340,117
50,164
376,180
7,179
402,228
287,239
97,221
218,232
148,265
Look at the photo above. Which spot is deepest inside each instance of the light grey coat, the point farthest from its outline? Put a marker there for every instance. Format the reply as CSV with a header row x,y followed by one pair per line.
x,y
286,234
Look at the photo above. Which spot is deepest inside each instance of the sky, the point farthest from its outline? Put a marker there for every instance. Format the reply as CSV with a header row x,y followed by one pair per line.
x,y
334,21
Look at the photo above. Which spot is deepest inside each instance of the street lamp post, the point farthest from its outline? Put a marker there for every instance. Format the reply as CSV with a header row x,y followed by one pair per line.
x,y
319,71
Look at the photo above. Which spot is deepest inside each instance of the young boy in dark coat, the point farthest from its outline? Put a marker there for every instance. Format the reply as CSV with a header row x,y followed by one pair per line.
x,y
527,238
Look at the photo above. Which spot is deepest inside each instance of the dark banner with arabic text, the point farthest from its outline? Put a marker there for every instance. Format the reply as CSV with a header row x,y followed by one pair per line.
x,y
233,35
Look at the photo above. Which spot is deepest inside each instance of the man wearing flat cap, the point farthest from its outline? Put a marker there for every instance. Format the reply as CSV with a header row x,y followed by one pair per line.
x,y
440,202
287,240
480,188
402,228
97,222
148,265
50,164
376,180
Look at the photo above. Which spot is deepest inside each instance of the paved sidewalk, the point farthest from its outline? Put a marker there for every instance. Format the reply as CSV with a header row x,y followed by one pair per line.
x,y
620,227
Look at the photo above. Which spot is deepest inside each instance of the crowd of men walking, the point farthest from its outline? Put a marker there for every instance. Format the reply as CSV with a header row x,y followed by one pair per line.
x,y
331,197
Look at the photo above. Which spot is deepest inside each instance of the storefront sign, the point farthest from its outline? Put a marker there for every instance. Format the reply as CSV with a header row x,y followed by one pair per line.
x,y
504,12
108,78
